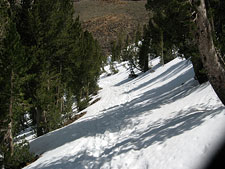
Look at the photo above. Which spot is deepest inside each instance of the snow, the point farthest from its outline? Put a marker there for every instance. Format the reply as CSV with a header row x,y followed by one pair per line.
x,y
28,134
163,119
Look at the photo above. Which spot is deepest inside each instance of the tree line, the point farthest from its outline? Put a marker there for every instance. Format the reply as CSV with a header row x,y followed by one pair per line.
x,y
193,29
47,64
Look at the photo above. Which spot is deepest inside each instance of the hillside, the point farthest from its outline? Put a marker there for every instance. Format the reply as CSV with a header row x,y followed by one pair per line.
x,y
159,120
107,19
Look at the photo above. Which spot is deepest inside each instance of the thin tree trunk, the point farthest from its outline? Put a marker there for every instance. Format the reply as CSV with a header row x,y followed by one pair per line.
x,y
146,68
38,121
161,40
10,135
59,90
210,58
61,104
45,111
146,57
46,128
162,46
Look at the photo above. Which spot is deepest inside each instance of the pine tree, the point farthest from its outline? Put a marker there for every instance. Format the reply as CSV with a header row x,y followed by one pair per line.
x,y
3,20
89,69
144,51
211,59
62,63
120,45
11,57
138,35
114,51
188,22
50,24
125,56
130,53
14,105
116,48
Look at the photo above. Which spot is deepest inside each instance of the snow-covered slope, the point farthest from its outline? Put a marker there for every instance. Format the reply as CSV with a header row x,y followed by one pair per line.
x,y
159,120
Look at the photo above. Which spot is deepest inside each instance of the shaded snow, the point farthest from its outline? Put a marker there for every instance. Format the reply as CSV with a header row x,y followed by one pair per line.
x,y
158,120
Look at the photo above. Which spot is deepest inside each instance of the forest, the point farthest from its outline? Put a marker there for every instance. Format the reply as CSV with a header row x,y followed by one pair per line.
x,y
47,63
190,29
50,65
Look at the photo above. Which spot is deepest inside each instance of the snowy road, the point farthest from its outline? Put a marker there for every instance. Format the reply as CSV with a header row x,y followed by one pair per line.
x,y
159,120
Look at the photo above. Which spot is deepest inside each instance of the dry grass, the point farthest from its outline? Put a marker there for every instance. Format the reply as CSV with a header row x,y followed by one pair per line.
x,y
88,9
106,19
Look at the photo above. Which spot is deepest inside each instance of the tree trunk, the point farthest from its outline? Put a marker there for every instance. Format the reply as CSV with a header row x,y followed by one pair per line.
x,y
162,46
146,68
210,58
38,121
10,135
44,117
61,104
60,95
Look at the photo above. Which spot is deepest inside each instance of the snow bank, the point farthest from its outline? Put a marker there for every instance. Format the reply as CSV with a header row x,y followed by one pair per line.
x,y
159,120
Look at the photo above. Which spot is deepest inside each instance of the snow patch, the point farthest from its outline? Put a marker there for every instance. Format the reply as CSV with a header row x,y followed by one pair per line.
x,y
159,120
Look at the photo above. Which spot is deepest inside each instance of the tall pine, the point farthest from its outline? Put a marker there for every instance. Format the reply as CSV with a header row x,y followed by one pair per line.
x,y
189,28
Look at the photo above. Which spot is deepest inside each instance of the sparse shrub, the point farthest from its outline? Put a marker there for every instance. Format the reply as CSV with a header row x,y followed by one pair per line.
x,y
83,104
113,69
20,158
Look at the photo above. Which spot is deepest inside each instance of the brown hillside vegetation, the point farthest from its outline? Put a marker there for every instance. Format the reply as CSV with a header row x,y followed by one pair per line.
x,y
107,19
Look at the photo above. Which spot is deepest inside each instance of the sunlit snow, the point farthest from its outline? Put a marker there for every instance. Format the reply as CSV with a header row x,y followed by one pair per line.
x,y
163,119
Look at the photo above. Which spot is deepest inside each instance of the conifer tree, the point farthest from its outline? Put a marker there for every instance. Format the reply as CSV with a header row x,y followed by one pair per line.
x,y
14,105
116,48
11,58
120,45
114,51
212,58
144,51
138,35
62,62
89,69
188,22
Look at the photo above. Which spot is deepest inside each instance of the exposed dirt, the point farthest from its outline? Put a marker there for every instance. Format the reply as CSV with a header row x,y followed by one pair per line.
x,y
106,20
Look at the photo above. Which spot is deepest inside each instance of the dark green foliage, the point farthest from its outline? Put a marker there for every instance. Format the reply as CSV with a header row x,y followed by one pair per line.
x,y
130,54
217,18
172,20
190,51
20,158
144,50
13,76
115,52
112,68
66,64
178,21
125,54
116,48
3,20
83,104
88,71
14,105
47,63
200,72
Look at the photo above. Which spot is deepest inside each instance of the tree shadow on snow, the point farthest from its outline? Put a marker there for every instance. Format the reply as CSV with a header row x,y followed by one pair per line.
x,y
155,133
171,71
117,118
